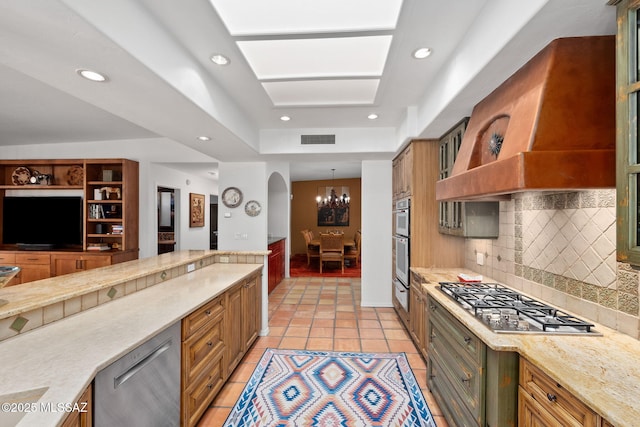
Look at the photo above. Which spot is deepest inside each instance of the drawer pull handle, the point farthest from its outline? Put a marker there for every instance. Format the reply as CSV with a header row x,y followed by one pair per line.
x,y
208,312
467,340
552,397
432,307
209,386
210,344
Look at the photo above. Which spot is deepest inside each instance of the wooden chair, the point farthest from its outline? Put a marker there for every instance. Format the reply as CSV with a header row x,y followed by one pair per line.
x,y
332,249
312,250
354,251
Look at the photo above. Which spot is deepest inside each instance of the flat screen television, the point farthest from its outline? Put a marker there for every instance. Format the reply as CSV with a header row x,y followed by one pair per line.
x,y
42,222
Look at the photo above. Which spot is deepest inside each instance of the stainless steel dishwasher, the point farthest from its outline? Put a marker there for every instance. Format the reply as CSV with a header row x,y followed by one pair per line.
x,y
142,388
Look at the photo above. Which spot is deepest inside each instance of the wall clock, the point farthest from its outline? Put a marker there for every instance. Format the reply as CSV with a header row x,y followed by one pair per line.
x,y
232,197
252,208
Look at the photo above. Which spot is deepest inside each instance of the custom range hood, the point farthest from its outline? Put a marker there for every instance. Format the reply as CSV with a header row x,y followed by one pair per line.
x,y
550,126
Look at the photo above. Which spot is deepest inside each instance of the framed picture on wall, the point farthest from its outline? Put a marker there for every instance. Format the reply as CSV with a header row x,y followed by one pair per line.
x,y
196,210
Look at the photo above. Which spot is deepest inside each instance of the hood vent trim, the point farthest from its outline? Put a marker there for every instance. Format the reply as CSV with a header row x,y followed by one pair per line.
x,y
556,116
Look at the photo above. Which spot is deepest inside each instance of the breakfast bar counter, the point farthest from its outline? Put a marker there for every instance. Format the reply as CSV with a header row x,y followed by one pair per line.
x,y
55,362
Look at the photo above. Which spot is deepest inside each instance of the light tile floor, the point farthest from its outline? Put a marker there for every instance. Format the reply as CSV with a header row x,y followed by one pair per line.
x,y
316,313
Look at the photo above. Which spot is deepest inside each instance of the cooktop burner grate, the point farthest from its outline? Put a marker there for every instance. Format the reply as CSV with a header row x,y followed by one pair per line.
x,y
506,310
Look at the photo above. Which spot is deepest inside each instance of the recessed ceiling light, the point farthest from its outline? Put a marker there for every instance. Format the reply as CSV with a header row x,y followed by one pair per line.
x,y
92,75
421,53
372,116
285,118
219,59
204,138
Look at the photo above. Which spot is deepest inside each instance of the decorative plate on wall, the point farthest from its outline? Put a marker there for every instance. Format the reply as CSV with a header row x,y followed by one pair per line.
x,y
252,208
232,197
21,175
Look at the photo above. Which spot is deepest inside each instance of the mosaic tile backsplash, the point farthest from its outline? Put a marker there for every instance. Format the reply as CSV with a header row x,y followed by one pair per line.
x,y
562,247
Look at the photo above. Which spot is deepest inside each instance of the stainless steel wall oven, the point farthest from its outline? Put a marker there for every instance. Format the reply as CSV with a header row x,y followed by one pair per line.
x,y
401,239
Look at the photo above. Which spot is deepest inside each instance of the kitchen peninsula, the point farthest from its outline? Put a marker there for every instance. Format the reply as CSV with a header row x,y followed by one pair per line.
x,y
600,371
90,319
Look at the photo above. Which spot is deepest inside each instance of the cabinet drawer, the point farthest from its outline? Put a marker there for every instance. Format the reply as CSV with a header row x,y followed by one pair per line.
x,y
554,398
457,334
447,398
7,259
197,396
463,376
201,347
33,259
201,316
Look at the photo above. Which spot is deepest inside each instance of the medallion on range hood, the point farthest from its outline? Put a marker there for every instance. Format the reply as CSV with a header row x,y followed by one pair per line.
x,y
550,126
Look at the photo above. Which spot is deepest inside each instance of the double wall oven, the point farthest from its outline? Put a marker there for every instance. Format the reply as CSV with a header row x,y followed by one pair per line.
x,y
401,239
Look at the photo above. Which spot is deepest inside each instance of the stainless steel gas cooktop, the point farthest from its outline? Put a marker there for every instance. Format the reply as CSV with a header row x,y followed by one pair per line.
x,y
505,310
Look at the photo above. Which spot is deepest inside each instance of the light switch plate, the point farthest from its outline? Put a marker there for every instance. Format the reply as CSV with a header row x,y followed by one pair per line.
x,y
480,258
191,267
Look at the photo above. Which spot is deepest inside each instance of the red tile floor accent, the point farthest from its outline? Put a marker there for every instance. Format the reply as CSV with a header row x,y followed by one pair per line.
x,y
316,313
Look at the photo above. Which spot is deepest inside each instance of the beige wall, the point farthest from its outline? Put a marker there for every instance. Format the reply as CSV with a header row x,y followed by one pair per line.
x,y
304,211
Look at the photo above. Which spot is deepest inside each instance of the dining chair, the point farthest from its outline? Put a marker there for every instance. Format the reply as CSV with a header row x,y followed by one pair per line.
x,y
354,251
312,250
331,249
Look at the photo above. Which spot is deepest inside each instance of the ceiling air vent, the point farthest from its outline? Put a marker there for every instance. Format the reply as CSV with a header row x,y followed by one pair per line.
x,y
317,139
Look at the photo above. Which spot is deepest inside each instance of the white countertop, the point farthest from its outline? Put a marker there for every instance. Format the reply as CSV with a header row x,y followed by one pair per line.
x,y
602,371
66,355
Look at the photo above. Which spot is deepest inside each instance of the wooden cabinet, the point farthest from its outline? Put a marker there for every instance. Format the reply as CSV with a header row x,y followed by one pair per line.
x,y
82,417
252,311
111,198
545,403
429,247
276,264
473,385
33,266
215,338
402,174
244,309
418,314
203,359
48,174
109,190
71,263
467,219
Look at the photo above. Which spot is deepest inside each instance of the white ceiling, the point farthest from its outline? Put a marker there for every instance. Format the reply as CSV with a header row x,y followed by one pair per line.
x,y
288,57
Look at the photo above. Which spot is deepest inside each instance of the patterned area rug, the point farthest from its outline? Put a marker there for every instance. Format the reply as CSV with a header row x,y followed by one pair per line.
x,y
330,389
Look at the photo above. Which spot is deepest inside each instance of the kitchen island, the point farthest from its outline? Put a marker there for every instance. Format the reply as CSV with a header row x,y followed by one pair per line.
x,y
600,370
57,361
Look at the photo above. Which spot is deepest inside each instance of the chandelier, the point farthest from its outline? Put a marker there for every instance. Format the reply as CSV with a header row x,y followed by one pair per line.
x,y
333,200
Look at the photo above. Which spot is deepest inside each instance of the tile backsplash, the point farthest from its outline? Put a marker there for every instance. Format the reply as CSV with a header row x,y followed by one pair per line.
x,y
561,247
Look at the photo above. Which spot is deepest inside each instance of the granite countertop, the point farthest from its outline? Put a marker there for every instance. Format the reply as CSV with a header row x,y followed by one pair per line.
x,y
23,298
64,357
602,371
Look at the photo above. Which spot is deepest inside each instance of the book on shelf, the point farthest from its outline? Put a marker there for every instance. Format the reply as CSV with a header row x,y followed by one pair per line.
x,y
98,247
96,211
116,229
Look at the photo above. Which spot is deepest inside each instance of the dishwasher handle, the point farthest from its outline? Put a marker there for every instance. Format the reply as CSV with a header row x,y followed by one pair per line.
x,y
120,379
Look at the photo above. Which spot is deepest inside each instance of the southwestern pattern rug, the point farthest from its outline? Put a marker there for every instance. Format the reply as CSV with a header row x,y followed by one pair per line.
x,y
331,389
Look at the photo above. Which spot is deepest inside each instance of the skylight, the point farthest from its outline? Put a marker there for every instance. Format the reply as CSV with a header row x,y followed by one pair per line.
x,y
309,53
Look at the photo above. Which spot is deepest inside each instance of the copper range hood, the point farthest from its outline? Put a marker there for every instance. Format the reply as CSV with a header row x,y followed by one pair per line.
x,y
550,126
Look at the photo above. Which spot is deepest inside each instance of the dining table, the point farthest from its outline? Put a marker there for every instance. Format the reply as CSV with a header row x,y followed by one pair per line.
x,y
348,242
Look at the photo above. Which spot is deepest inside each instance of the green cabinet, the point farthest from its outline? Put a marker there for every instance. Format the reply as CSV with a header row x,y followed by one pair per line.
x,y
472,384
465,219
